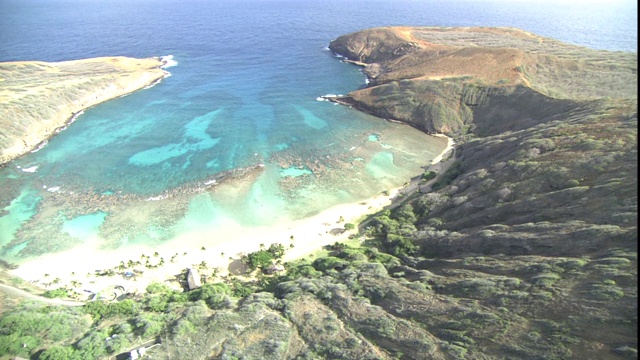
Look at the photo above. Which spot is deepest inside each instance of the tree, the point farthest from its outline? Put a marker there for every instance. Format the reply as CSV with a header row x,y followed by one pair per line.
x,y
429,175
57,293
277,250
213,294
259,259
58,352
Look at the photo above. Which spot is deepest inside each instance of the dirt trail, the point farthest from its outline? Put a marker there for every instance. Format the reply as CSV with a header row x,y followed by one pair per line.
x,y
26,295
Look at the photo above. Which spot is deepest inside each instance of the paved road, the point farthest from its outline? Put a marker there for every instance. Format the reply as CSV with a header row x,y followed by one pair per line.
x,y
26,295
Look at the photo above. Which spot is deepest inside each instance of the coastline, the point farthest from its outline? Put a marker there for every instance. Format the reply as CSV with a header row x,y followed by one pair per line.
x,y
231,241
130,75
76,268
450,146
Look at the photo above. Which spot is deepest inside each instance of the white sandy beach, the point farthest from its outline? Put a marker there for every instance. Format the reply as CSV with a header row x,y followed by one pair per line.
x,y
450,145
75,268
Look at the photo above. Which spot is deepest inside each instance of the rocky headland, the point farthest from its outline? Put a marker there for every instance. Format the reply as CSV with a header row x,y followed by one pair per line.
x,y
525,247
38,98
482,81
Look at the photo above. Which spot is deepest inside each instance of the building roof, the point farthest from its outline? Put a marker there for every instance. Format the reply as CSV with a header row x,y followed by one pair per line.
x,y
193,279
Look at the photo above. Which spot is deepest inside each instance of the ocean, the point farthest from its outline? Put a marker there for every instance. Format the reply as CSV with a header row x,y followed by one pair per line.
x,y
243,94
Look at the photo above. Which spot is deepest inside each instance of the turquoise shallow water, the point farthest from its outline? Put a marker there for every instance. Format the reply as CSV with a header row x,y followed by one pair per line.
x,y
146,167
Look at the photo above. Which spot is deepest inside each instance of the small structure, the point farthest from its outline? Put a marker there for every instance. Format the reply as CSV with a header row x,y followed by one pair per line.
x,y
193,279
139,351
275,268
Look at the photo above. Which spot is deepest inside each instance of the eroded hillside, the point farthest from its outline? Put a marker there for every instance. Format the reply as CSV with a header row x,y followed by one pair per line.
x,y
525,248
435,78
38,98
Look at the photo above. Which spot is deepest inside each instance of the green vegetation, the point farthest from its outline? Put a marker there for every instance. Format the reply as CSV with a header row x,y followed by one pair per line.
x,y
428,175
525,249
395,230
263,259
446,178
57,293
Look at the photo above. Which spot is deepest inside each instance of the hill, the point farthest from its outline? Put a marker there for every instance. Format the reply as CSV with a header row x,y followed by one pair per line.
x,y
37,98
525,248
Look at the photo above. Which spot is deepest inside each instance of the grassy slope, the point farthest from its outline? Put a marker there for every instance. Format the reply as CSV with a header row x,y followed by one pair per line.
x,y
527,250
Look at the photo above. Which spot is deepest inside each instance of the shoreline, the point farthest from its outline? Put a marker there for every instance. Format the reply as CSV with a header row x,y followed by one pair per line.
x,y
230,242
44,131
220,248
450,146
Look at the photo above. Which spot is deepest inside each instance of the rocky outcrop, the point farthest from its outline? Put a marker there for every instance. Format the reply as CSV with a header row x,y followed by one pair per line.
x,y
442,80
38,98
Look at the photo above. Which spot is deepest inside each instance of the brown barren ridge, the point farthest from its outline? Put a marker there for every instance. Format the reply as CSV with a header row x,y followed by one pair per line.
x,y
37,98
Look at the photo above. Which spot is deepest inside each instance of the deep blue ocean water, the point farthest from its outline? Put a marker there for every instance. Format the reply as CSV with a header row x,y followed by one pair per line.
x,y
243,93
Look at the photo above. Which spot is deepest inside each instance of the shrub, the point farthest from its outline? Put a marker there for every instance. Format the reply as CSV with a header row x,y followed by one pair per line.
x,y
451,174
214,295
545,279
100,309
157,288
428,175
58,352
259,259
57,293
329,263
147,326
304,270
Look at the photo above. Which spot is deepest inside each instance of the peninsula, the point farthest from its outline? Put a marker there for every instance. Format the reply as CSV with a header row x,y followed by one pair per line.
x,y
38,98
524,246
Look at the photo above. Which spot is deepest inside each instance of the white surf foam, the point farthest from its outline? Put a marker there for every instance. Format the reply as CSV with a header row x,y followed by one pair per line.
x,y
29,169
159,197
168,61
75,116
40,146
